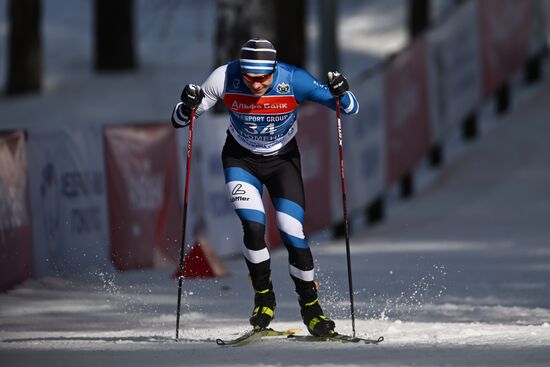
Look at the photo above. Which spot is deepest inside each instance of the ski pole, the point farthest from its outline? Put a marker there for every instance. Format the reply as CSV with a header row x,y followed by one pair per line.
x,y
185,202
345,207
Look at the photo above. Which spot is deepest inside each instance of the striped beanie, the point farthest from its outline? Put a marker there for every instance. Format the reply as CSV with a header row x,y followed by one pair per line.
x,y
257,57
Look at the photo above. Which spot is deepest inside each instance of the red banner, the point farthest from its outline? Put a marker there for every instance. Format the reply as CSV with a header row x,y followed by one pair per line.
x,y
407,115
16,261
142,182
314,139
505,31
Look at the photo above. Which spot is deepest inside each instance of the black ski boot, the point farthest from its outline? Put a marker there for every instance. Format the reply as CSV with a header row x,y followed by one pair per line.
x,y
312,314
264,308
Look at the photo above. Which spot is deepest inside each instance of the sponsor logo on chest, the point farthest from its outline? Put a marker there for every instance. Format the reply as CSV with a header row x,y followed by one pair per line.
x,y
242,103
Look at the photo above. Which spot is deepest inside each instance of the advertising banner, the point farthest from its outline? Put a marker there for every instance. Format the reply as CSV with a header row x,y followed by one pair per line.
x,y
142,182
505,32
16,262
408,134
454,69
69,218
364,152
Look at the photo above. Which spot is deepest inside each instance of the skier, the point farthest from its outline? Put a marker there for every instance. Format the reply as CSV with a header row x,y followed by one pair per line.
x,y
262,96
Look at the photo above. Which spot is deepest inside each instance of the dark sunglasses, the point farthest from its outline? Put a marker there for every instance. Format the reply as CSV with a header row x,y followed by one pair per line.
x,y
256,79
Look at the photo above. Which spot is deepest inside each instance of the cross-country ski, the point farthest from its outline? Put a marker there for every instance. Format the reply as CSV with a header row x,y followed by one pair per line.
x,y
254,335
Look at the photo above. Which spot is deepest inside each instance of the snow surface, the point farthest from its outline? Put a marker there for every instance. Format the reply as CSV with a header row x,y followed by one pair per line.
x,y
459,275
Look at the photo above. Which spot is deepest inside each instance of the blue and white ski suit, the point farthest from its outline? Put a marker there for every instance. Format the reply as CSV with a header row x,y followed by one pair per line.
x,y
261,150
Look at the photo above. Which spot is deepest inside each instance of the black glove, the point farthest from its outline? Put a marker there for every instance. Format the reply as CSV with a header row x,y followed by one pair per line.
x,y
337,83
191,97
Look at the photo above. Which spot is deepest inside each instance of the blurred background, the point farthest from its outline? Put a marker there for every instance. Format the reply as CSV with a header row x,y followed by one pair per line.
x,y
91,171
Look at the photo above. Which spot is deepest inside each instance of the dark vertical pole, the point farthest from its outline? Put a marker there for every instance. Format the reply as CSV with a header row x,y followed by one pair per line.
x,y
328,44
418,17
114,35
290,25
25,47
470,129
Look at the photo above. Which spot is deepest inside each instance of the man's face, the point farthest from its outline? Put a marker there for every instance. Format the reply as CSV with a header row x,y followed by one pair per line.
x,y
258,84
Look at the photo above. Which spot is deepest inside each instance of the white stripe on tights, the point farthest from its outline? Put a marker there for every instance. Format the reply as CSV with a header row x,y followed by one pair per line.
x,y
305,275
290,225
256,257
